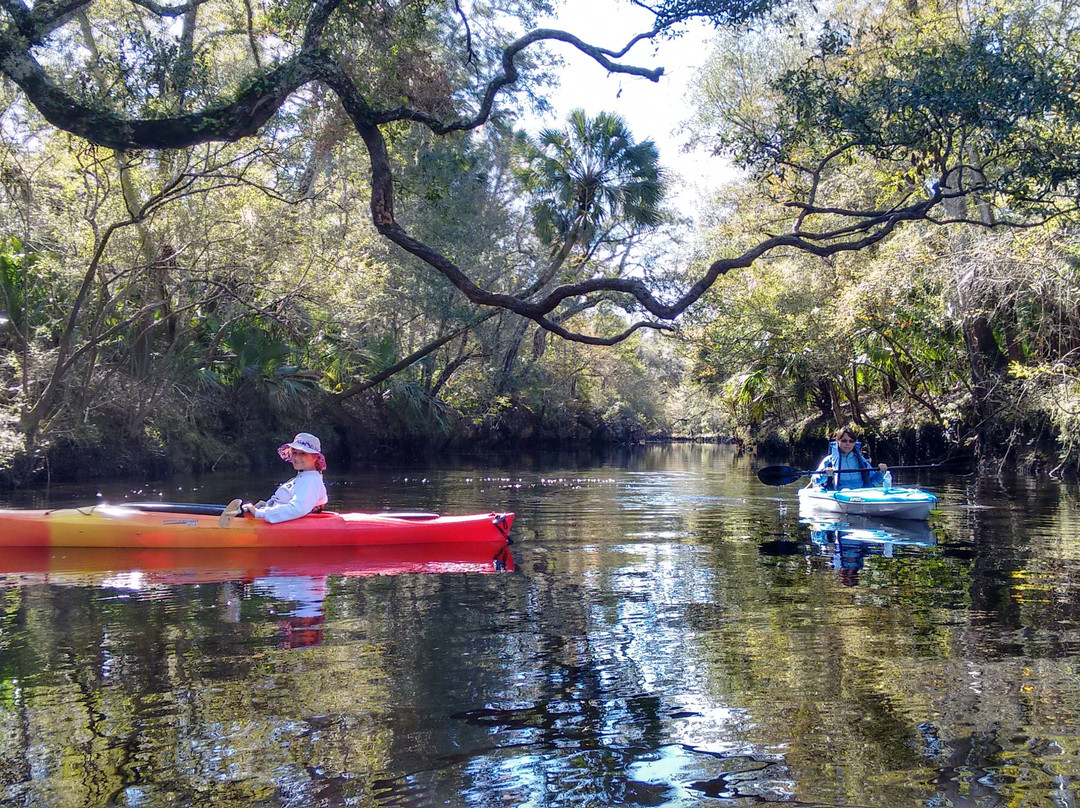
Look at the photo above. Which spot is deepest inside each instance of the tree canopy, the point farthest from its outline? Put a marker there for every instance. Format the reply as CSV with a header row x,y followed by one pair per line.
x,y
262,200
951,321
174,76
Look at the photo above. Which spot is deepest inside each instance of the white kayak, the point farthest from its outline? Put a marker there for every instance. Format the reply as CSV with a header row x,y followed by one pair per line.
x,y
894,503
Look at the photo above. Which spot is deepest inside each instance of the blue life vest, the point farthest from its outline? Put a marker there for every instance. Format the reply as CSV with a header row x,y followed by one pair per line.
x,y
846,478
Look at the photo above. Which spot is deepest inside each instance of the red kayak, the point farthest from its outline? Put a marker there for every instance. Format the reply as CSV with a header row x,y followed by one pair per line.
x,y
183,525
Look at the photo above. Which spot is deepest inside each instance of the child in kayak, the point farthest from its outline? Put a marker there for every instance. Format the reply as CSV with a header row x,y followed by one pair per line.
x,y
304,493
845,467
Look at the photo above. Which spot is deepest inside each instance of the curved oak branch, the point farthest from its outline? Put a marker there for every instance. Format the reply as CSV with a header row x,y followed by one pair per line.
x,y
253,106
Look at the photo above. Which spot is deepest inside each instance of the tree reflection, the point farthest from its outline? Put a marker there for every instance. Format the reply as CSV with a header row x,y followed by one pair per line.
x,y
674,637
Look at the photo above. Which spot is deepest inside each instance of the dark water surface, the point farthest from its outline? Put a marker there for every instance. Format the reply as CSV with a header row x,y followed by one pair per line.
x,y
672,635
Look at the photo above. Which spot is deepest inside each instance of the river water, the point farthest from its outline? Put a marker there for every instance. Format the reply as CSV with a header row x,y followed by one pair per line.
x,y
671,634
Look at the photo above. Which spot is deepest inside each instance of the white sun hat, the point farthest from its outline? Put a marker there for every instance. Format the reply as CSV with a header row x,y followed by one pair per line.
x,y
304,442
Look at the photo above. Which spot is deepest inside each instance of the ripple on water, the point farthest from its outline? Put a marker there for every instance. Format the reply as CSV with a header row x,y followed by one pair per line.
x,y
673,636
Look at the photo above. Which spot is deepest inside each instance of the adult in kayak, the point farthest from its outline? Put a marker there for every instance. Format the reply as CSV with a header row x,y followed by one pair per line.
x,y
303,494
845,467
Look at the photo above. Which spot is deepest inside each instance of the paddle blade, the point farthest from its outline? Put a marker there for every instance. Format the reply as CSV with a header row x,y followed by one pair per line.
x,y
780,475
231,510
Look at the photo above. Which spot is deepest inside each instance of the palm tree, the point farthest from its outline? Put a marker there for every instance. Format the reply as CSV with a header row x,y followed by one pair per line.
x,y
588,184
588,180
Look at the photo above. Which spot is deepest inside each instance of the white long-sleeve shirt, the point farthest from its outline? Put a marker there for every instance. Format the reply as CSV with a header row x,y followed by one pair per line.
x,y
295,498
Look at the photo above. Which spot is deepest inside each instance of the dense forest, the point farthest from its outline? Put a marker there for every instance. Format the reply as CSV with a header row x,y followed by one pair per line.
x,y
226,221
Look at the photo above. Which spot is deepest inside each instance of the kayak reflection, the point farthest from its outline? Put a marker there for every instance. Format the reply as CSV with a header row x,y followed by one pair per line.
x,y
849,541
293,579
130,567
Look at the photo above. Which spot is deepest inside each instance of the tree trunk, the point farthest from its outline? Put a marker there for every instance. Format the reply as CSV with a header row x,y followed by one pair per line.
x,y
985,357
514,348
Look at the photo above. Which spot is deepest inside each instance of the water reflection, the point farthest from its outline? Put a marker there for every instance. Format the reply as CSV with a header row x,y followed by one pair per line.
x,y
293,582
849,540
144,567
672,635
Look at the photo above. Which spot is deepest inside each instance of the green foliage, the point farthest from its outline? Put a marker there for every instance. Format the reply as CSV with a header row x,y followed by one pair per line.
x,y
872,108
866,339
981,99
253,357
248,278
24,295
591,175
414,415
673,13
1053,393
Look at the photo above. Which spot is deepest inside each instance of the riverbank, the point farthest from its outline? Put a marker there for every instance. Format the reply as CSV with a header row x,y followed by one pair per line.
x,y
227,434
1031,451
222,436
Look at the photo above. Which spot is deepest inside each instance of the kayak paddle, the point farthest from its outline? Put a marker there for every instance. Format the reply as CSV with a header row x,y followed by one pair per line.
x,y
783,475
231,510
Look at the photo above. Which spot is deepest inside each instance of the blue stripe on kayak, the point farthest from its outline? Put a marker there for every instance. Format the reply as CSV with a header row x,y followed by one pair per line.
x,y
880,496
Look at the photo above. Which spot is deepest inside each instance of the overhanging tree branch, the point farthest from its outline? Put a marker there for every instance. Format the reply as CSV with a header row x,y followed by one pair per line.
x,y
253,106
414,357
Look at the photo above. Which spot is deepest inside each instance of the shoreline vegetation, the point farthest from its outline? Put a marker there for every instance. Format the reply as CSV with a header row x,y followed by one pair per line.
x,y
218,233
371,430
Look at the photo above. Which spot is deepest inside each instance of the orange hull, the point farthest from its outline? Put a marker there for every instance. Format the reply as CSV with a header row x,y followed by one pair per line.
x,y
112,526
